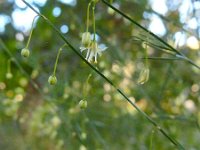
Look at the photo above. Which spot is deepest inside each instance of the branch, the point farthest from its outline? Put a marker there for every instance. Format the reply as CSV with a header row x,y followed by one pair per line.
x,y
177,144
151,33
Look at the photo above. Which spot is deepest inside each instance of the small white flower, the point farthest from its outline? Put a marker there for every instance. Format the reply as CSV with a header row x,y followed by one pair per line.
x,y
93,50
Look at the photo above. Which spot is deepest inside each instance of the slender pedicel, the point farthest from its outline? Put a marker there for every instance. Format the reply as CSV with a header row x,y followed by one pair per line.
x,y
25,52
52,78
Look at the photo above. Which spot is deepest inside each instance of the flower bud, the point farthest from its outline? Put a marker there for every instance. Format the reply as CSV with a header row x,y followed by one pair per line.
x,y
83,104
86,38
25,52
144,76
52,80
9,75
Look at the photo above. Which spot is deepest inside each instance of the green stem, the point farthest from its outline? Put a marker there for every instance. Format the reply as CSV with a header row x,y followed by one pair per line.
x,y
150,33
151,140
94,25
85,87
136,38
146,54
29,38
157,47
176,143
88,17
9,66
108,80
161,58
56,63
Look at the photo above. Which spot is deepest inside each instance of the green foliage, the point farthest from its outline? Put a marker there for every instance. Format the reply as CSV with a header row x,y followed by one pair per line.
x,y
35,115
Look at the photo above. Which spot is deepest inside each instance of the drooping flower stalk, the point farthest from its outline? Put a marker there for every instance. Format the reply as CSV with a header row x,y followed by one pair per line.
x,y
25,52
94,25
52,79
86,86
88,17
83,103
86,36
32,27
9,74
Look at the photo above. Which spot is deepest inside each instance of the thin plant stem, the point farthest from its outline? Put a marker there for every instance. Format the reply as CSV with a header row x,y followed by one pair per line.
x,y
136,38
94,25
176,143
151,33
67,42
22,70
160,48
146,54
85,87
56,63
9,66
88,17
140,26
151,140
29,38
161,58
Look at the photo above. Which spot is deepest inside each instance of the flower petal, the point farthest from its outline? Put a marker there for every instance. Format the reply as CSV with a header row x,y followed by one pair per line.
x,y
91,55
87,55
82,49
95,57
102,47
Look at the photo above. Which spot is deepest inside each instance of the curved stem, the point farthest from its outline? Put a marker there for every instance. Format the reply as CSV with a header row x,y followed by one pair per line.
x,y
150,33
172,140
85,87
56,63
29,38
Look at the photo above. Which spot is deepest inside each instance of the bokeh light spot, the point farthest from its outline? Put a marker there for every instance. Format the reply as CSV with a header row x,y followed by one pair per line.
x,y
64,29
57,11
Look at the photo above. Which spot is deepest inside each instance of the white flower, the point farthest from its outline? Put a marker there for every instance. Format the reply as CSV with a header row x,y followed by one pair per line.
x,y
93,50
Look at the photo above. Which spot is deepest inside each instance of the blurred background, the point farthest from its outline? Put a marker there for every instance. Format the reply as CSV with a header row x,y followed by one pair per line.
x,y
37,116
